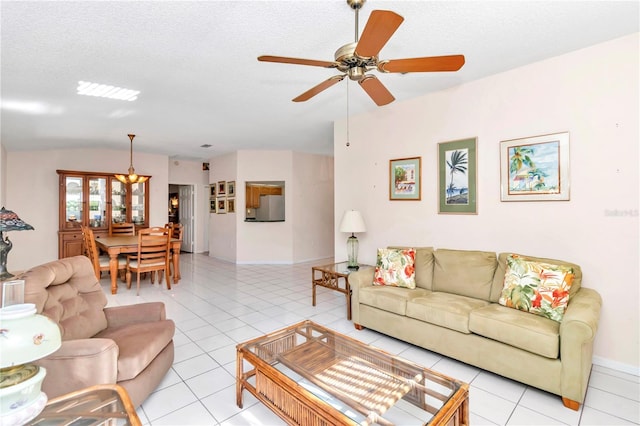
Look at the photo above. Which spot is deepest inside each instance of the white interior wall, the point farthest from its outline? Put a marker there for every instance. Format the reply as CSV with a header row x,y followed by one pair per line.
x,y
32,192
312,197
190,173
223,227
265,242
591,93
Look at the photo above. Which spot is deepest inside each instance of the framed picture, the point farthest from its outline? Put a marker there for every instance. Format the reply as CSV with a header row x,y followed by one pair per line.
x,y
231,188
221,205
404,179
535,168
231,205
457,177
222,188
212,205
212,191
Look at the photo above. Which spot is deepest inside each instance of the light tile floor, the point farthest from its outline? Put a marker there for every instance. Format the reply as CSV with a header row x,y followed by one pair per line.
x,y
218,304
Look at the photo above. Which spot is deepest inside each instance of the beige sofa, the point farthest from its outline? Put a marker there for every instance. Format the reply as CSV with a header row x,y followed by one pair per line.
x,y
128,345
454,311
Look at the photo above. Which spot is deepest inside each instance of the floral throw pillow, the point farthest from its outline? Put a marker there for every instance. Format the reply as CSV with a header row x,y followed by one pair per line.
x,y
536,287
396,267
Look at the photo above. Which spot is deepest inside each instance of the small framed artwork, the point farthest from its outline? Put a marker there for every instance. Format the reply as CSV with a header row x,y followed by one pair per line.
x,y
457,177
212,191
535,168
221,205
222,188
231,205
404,179
231,188
212,205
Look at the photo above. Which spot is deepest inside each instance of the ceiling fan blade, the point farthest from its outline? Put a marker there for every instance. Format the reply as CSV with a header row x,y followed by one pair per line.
x,y
379,29
376,90
428,64
297,61
319,88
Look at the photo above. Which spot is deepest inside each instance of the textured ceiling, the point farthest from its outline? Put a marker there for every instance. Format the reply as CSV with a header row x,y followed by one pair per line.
x,y
195,65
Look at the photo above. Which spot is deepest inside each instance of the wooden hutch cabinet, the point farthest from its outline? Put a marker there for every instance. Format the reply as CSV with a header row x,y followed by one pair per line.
x,y
96,200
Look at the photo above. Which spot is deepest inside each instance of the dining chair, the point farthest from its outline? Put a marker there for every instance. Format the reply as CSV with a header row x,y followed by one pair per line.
x,y
122,229
176,232
100,262
152,255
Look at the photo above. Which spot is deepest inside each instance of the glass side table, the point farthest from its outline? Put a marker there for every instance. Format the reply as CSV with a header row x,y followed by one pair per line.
x,y
95,405
330,276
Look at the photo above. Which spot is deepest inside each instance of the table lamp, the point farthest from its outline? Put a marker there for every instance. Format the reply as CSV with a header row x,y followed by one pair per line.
x,y
9,221
25,337
352,222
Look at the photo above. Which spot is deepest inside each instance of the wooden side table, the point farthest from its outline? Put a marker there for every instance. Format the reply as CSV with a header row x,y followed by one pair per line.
x,y
95,405
330,276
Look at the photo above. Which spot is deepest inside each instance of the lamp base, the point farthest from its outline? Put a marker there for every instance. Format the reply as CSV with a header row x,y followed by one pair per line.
x,y
23,401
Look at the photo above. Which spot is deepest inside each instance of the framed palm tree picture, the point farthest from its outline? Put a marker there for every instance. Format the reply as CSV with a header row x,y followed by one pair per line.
x,y
535,168
457,177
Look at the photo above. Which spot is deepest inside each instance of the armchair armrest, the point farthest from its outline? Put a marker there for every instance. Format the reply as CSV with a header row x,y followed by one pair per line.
x,y
577,332
131,314
79,364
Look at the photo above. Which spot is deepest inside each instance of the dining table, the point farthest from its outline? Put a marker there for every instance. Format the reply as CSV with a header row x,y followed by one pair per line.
x,y
118,245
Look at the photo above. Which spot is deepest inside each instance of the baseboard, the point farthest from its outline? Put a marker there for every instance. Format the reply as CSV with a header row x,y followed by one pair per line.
x,y
615,365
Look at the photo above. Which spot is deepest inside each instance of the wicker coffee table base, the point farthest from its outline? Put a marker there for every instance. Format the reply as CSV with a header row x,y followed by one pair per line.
x,y
296,405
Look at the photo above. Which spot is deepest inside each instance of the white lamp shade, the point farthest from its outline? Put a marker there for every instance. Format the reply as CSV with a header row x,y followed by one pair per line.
x,y
352,222
26,336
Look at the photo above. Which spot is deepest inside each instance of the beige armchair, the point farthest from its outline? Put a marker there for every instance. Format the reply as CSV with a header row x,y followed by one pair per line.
x,y
128,345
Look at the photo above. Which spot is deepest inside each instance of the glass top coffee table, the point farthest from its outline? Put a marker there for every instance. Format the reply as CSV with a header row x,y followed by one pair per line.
x,y
310,375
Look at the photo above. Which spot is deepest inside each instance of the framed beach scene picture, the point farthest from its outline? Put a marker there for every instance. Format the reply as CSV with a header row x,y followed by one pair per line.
x,y
535,168
404,179
457,177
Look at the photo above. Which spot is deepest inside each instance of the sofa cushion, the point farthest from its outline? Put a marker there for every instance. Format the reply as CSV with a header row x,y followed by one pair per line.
x,y
139,344
536,287
423,265
531,333
464,272
395,267
391,299
498,279
67,291
444,309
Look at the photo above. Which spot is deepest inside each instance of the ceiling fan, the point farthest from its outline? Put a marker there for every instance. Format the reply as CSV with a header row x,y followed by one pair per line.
x,y
358,58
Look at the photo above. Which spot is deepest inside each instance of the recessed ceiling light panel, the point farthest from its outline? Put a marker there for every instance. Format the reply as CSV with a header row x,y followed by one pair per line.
x,y
105,91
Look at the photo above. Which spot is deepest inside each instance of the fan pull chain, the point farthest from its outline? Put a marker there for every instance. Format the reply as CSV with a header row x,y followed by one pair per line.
x,y
348,144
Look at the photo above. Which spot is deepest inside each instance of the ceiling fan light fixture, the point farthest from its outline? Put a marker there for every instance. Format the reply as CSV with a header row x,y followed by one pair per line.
x,y
132,176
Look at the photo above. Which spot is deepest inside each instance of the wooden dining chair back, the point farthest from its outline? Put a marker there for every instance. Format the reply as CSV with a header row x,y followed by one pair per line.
x,y
100,262
176,230
152,255
118,229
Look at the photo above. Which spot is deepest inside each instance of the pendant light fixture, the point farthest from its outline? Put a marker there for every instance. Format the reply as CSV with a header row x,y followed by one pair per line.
x,y
132,177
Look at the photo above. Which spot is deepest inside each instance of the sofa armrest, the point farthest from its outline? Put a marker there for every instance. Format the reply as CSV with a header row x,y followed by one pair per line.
x,y
577,332
131,314
363,277
79,364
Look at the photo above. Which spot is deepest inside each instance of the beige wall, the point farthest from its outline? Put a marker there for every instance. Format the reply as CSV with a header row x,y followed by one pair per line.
x,y
306,233
312,197
32,192
3,174
591,93
190,173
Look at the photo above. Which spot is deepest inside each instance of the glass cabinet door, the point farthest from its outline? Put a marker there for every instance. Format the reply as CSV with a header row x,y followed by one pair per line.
x,y
97,202
138,202
118,201
73,201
